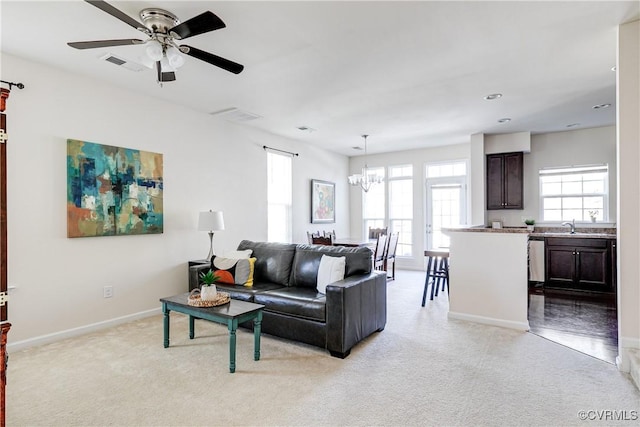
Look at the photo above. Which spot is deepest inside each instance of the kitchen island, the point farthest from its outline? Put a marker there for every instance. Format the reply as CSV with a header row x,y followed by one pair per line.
x,y
488,276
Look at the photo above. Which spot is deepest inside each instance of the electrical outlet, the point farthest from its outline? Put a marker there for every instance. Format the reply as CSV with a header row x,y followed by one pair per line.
x,y
108,291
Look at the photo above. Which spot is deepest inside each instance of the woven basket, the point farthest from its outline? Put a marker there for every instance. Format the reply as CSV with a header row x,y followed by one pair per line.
x,y
195,300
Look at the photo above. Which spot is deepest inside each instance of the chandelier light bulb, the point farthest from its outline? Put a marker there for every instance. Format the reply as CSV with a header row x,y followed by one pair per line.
x,y
154,50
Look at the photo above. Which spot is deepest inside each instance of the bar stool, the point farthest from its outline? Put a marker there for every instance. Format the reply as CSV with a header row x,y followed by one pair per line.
x,y
437,273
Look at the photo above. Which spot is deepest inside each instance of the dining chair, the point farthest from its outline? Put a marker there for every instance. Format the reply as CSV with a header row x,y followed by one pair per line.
x,y
390,256
331,233
375,232
310,236
380,252
437,273
321,240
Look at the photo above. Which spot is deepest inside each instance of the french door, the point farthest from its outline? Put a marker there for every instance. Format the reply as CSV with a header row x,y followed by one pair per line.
x,y
446,207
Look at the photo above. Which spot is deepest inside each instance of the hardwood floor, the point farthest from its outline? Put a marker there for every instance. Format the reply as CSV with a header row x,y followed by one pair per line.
x,y
586,324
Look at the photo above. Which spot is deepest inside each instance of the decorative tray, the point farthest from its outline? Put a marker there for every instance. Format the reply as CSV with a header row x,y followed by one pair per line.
x,y
195,300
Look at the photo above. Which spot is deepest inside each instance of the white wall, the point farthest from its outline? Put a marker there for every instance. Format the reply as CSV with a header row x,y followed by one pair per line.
x,y
208,164
490,278
628,111
577,147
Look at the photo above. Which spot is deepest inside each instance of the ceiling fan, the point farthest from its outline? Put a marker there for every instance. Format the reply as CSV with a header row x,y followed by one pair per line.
x,y
163,29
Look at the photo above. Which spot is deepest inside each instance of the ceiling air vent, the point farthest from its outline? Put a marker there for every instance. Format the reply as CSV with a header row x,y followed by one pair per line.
x,y
122,62
234,114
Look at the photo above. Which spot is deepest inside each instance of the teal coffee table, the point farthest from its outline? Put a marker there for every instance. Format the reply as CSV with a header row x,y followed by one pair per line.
x,y
230,314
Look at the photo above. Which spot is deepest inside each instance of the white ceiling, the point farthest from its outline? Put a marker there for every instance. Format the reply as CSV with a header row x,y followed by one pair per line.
x,y
410,74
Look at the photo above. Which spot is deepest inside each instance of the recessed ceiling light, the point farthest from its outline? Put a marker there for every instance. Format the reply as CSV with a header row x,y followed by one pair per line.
x,y
505,120
306,128
572,125
357,148
493,96
599,106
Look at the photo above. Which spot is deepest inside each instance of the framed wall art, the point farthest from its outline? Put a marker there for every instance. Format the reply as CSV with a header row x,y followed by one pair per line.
x,y
113,191
323,200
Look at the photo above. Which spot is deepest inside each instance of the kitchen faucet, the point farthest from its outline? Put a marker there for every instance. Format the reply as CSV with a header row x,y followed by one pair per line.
x,y
571,224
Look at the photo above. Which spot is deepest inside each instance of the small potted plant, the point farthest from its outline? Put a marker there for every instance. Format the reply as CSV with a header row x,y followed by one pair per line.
x,y
208,291
593,215
530,223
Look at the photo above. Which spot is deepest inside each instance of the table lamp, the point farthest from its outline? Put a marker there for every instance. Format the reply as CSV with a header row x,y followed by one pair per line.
x,y
210,221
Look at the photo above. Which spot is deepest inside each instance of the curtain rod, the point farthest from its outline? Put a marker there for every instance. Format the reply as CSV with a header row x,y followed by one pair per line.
x,y
11,84
264,147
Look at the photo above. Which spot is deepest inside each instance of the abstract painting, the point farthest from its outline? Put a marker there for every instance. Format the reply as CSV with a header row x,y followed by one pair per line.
x,y
323,199
112,191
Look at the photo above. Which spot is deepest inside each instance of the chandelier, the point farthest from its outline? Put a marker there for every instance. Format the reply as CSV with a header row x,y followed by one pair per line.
x,y
366,178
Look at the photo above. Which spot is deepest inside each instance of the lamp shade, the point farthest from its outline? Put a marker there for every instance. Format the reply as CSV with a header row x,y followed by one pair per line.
x,y
211,221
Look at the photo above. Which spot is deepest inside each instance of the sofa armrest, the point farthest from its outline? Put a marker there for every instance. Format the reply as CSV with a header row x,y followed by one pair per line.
x,y
356,307
194,275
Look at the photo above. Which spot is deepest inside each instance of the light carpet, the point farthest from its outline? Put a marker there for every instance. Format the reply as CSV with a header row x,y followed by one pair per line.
x,y
423,369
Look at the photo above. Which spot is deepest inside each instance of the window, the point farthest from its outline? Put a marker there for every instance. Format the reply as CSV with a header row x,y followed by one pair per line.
x,y
373,204
577,192
401,207
447,169
279,198
446,200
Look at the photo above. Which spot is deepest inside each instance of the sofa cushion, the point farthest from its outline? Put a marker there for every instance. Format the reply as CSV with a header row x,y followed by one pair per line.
x,y
233,271
293,301
331,270
307,260
273,260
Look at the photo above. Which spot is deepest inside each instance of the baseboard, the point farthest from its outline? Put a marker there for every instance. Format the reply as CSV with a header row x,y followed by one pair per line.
x,y
520,326
627,349
69,333
633,356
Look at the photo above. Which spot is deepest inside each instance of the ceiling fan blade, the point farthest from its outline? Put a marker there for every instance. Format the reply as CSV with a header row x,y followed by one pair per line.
x,y
200,24
164,77
116,13
212,59
104,43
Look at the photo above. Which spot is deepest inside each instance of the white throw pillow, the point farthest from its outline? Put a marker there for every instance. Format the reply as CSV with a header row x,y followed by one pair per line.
x,y
331,270
245,254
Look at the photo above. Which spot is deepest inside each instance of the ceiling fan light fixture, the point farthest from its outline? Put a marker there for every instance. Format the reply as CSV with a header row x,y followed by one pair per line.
x,y
163,28
166,65
176,60
154,50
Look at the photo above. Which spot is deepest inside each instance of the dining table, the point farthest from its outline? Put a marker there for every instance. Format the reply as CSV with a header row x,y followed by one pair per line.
x,y
354,243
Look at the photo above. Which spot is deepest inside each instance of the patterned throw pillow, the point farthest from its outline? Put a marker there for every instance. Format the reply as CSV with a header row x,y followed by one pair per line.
x,y
233,271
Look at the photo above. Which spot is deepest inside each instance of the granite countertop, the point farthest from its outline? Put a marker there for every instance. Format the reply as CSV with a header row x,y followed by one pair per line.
x,y
581,232
483,229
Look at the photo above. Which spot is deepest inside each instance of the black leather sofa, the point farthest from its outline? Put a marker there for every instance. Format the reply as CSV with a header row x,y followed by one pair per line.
x,y
285,282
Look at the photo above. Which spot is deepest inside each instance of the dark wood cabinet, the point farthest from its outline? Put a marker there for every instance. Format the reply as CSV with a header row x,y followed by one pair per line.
x,y
579,264
505,181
